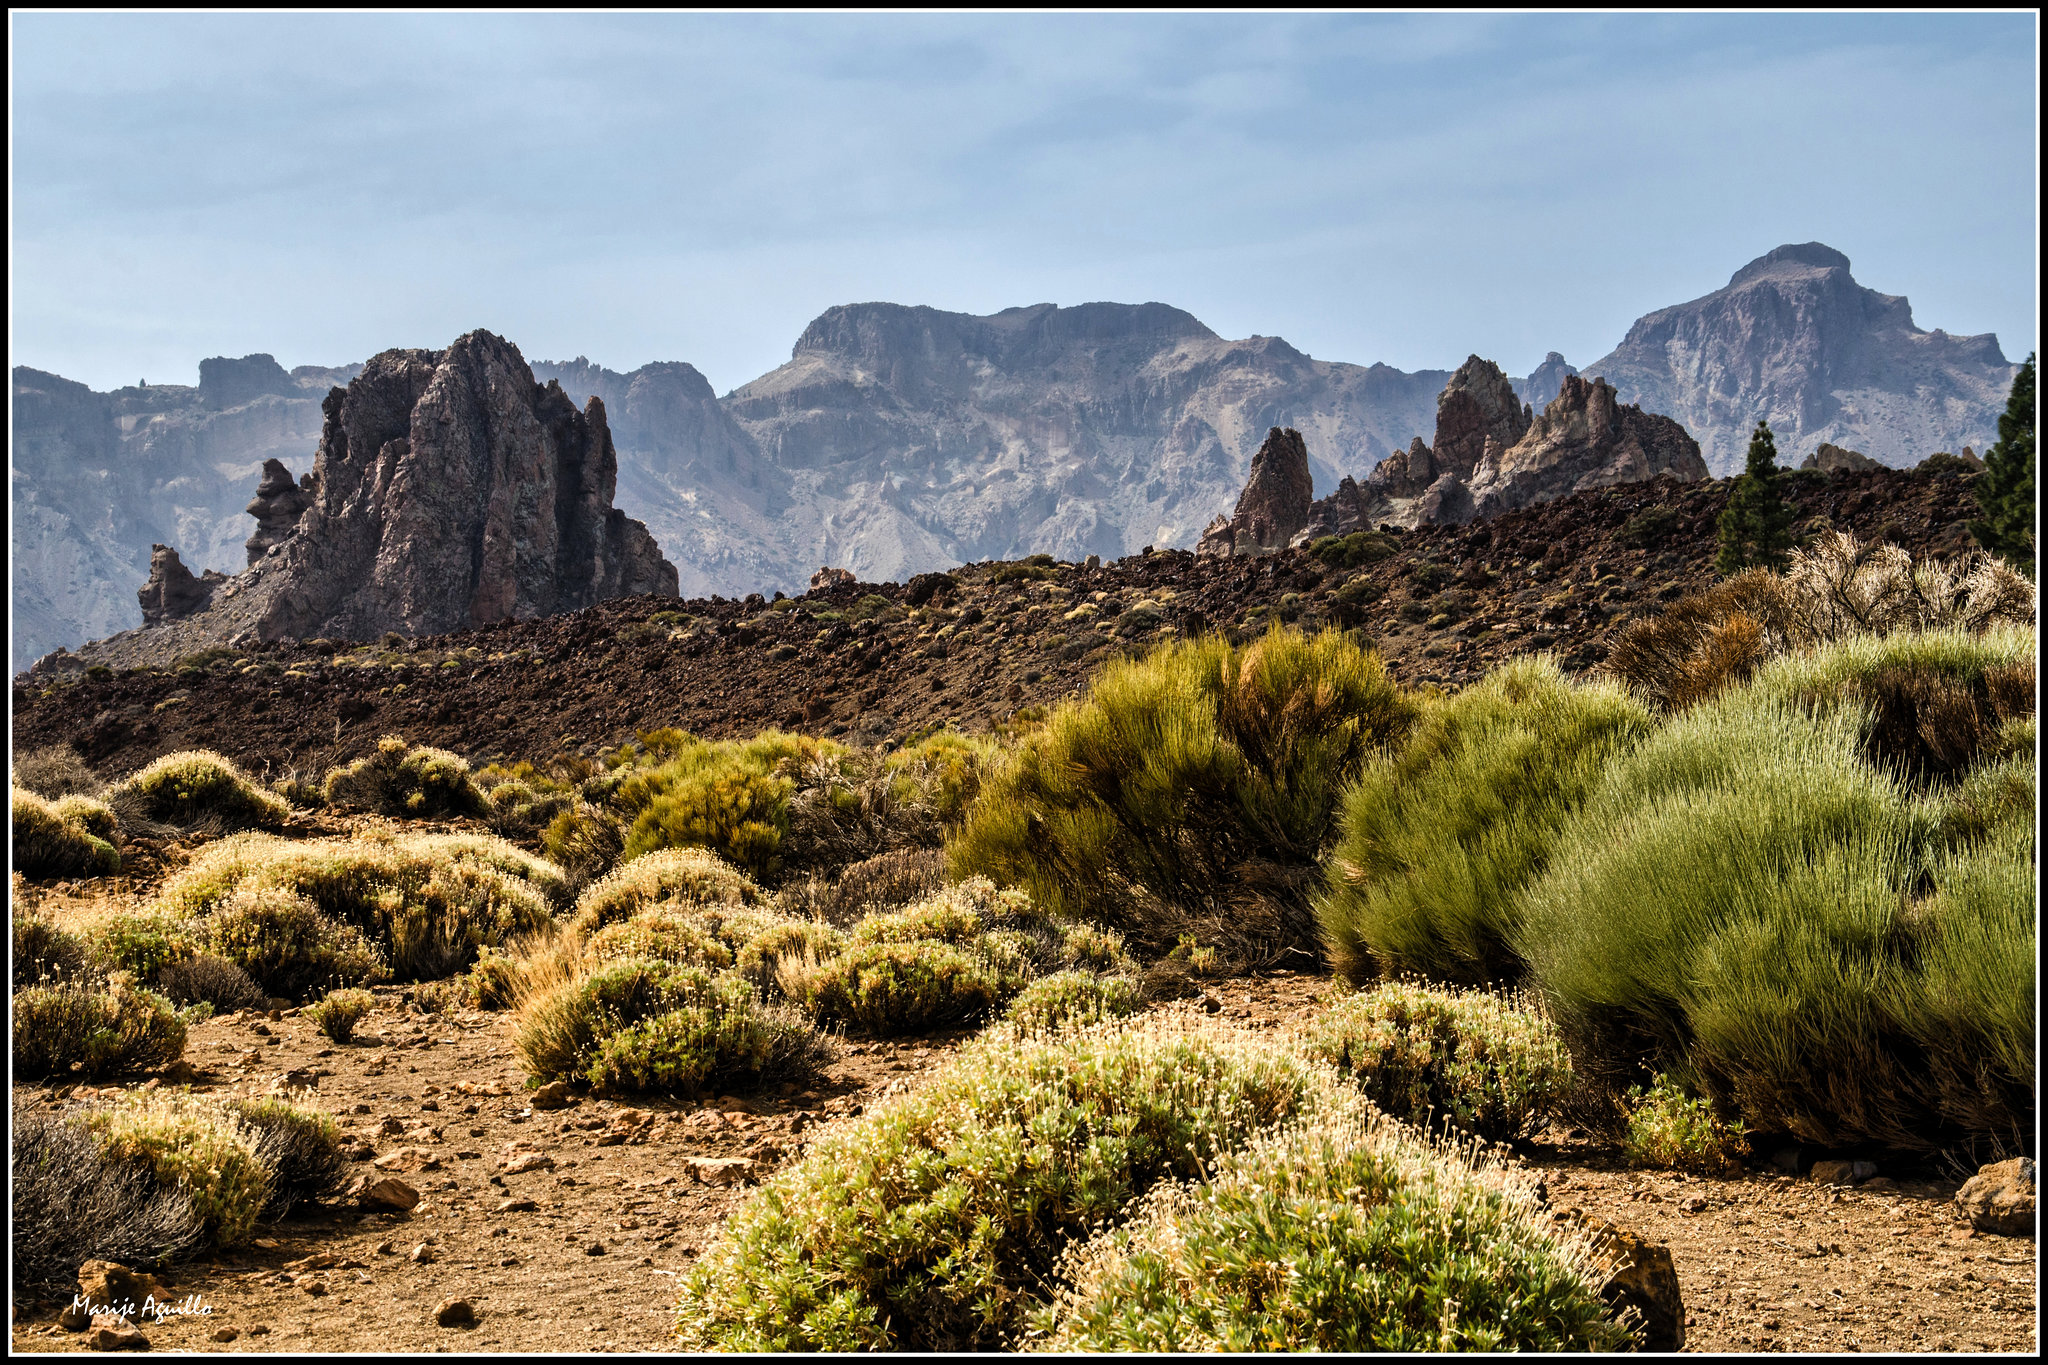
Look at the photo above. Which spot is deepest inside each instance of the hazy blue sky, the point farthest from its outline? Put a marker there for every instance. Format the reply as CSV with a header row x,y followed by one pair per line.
x,y
635,188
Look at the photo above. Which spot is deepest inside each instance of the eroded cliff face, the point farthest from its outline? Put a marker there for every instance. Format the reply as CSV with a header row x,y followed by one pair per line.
x,y
449,490
1794,340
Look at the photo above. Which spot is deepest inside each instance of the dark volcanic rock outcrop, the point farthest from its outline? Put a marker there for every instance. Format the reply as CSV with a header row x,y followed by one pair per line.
x,y
277,507
1275,502
1583,439
1795,341
450,490
172,593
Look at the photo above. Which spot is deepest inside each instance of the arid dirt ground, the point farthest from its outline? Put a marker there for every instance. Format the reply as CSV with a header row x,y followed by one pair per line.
x,y
584,1255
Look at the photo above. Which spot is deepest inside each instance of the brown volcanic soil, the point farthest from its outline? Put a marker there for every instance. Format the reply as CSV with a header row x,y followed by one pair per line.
x,y
1563,576
1765,1261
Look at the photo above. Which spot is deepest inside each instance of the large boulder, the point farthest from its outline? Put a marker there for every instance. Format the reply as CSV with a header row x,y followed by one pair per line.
x,y
2000,1198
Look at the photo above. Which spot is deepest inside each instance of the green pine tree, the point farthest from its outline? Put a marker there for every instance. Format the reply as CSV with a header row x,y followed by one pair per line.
x,y
2005,490
1756,526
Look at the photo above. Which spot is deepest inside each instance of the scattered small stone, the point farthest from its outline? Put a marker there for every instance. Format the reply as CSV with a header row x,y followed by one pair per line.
x,y
423,1254
594,1249
1841,1173
522,1162
261,1329
553,1095
317,1288
385,1193
225,1334
515,1206
110,1333
76,1317
455,1313
385,1248
720,1170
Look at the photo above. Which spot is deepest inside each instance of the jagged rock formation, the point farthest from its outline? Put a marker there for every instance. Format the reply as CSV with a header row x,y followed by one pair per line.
x,y
1795,341
1832,459
1490,456
1477,405
450,490
98,479
172,593
1275,502
277,507
1584,439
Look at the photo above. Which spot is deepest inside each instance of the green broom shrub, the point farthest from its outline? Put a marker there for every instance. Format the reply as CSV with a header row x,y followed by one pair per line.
x,y
1439,837
1192,790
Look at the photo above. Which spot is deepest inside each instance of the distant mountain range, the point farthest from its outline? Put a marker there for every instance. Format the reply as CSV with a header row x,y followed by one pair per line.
x,y
900,439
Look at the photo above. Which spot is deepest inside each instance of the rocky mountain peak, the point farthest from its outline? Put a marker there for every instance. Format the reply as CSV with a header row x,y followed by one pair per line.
x,y
1794,340
1789,259
1585,438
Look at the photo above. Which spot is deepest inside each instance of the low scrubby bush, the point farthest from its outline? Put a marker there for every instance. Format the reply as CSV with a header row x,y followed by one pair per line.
x,y
54,772
210,979
1439,838
91,1031
647,1025
1355,550
43,952
676,876
197,789
731,797
1342,1233
933,1221
194,1143
723,1036
73,1203
883,882
891,988
584,840
1479,1063
285,945
299,1148
414,781
90,814
666,935
338,1012
139,944
1669,1130
1093,949
1190,791
428,903
1073,998
46,845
